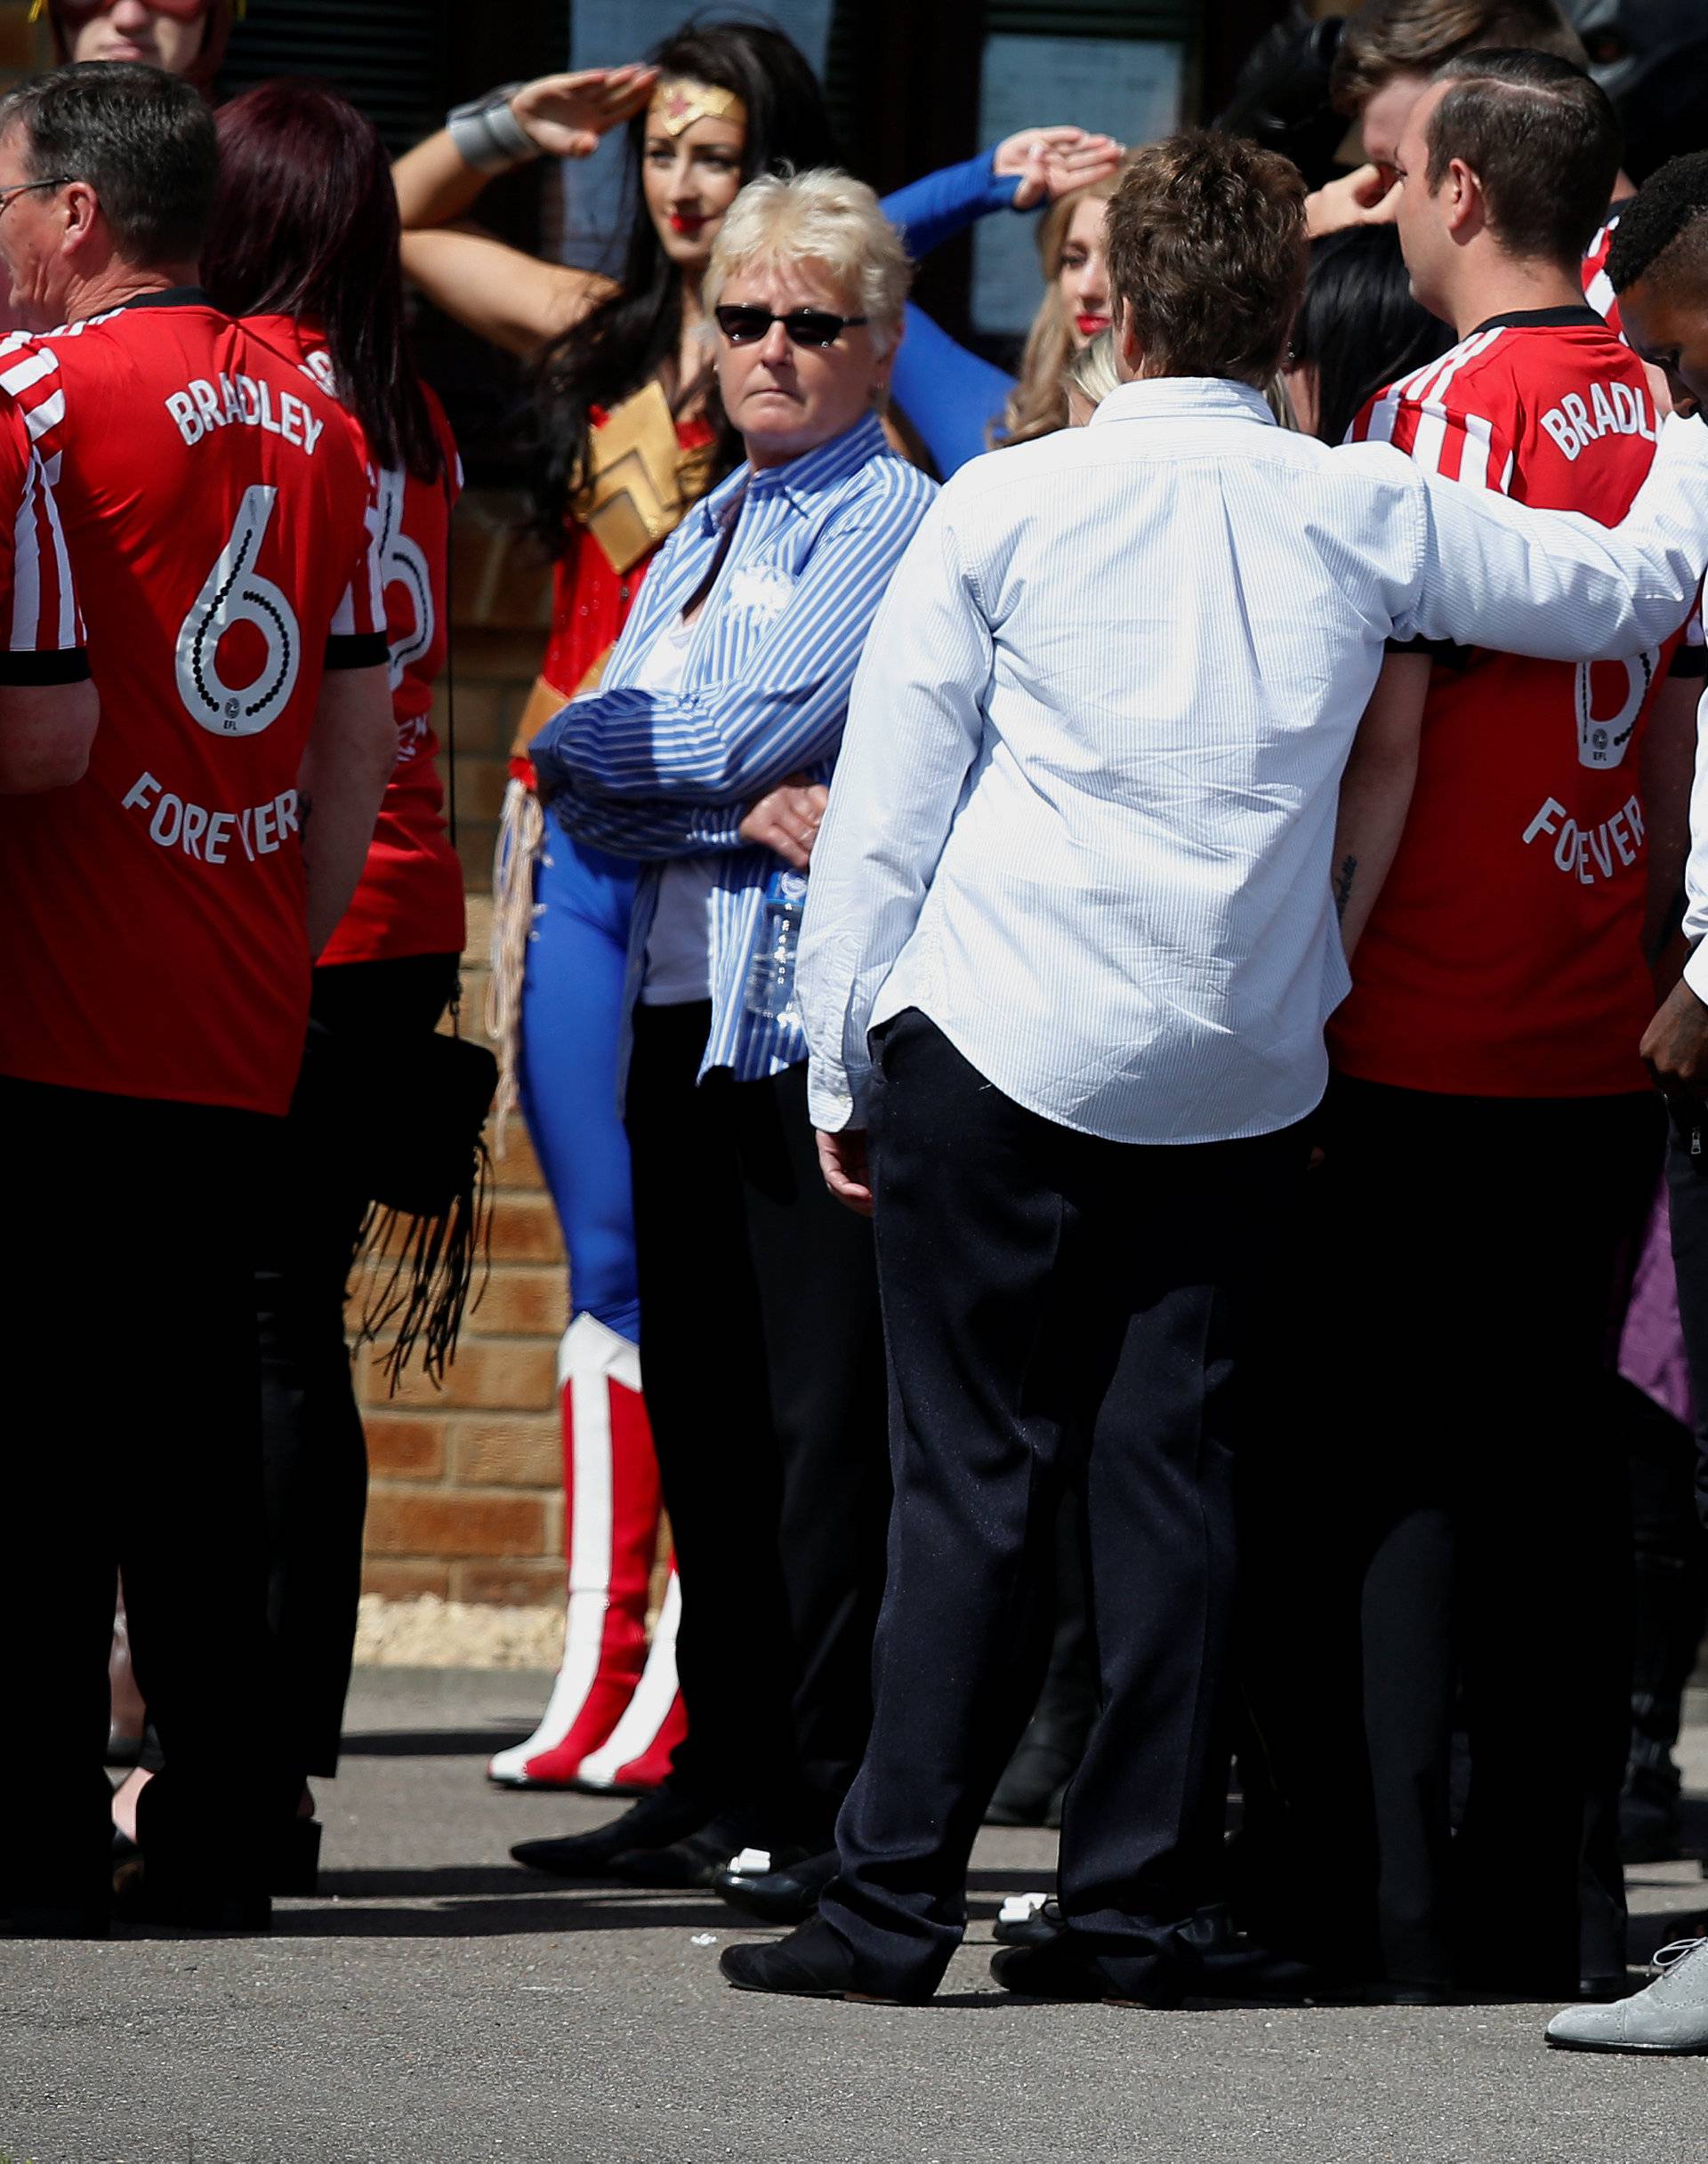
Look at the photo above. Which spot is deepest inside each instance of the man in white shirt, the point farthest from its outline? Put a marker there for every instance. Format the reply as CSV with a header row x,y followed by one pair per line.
x,y
1075,881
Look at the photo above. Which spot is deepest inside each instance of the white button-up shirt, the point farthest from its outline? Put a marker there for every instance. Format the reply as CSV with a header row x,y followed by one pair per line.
x,y
1085,805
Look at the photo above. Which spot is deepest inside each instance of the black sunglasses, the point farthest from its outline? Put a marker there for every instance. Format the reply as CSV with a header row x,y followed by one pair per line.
x,y
803,326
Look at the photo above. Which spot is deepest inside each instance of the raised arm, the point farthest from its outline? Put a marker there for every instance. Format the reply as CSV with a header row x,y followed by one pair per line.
x,y
914,728
516,299
1022,170
1488,571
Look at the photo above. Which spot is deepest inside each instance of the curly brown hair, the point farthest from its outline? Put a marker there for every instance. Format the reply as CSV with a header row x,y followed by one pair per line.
x,y
1207,248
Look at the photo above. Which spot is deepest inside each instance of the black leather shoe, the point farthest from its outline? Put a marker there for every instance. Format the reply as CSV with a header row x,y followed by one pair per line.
x,y
811,1963
1059,1969
1038,1926
694,1860
786,1894
293,1857
652,1822
1219,1962
142,1897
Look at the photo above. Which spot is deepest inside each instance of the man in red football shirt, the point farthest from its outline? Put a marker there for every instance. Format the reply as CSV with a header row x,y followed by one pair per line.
x,y
158,922
1490,1142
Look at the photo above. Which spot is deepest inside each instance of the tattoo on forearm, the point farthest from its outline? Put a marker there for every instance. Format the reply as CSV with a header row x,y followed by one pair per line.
x,y
1343,880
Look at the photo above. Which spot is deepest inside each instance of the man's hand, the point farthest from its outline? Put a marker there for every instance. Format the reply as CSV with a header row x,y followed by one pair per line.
x,y
1052,162
567,114
1363,198
787,820
848,1174
1675,1044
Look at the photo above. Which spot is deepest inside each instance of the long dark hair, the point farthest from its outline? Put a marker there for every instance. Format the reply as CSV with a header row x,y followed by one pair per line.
x,y
1359,326
624,342
306,224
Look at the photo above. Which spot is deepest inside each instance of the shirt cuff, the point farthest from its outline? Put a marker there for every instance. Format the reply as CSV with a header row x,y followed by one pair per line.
x,y
831,1104
1695,971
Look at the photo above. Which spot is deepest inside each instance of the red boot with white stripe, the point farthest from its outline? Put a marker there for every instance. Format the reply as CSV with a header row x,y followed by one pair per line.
x,y
614,1715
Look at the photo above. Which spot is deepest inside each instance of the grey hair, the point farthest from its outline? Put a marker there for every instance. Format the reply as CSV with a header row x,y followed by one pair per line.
x,y
823,217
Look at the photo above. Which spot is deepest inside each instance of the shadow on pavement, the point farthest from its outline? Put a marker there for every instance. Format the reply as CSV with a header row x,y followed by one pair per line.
x,y
430,1742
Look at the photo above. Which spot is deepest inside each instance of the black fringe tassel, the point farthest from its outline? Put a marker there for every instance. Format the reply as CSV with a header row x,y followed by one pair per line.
x,y
430,1284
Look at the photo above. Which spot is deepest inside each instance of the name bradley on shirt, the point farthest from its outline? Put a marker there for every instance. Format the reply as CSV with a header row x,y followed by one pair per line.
x,y
243,401
1614,409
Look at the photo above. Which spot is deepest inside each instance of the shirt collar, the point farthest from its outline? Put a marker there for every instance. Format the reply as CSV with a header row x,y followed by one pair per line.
x,y
1155,398
801,479
170,296
1567,317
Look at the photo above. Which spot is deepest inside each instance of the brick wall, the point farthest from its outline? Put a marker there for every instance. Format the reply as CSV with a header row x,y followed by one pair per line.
x,y
466,1500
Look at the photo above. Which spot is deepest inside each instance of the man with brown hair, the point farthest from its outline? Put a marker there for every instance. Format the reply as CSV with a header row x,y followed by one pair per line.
x,y
1388,52
1073,883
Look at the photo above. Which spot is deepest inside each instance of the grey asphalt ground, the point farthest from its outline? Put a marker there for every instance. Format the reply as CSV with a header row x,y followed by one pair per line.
x,y
436,2004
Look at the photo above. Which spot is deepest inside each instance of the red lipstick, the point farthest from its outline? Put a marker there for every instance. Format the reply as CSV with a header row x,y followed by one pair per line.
x,y
1089,327
679,222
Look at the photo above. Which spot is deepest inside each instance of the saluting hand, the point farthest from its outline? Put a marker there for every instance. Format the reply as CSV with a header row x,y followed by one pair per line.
x,y
1366,196
1053,162
567,114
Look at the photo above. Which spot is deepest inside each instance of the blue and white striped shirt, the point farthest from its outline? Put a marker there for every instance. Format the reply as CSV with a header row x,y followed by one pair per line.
x,y
763,695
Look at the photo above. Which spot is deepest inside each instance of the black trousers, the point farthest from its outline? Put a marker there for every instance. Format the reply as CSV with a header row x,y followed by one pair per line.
x,y
762,1353
315,1454
133,1426
1058,1308
1687,1182
1445,1540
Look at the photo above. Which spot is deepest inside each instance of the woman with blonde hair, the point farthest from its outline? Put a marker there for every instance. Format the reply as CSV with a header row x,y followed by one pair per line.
x,y
704,754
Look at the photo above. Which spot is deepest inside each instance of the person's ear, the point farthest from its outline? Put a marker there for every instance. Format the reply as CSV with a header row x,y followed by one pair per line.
x,y
1129,350
1462,204
81,208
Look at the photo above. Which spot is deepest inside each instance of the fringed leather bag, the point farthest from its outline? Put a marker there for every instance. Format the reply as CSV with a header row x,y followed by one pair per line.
x,y
428,1229
422,1156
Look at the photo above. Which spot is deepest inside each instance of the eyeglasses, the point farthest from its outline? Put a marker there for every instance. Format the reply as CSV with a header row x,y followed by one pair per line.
x,y
803,326
86,10
8,195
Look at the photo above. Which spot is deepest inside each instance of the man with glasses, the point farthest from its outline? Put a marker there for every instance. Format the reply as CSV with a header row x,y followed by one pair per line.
x,y
157,926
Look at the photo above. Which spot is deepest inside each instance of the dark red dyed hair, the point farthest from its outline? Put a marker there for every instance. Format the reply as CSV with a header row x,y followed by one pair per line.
x,y
306,225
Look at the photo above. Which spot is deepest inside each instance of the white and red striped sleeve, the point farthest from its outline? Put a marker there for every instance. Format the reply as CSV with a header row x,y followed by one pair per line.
x,y
44,642
1597,288
1438,418
357,639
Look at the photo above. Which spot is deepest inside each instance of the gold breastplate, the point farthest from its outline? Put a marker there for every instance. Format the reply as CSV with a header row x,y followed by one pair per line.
x,y
641,481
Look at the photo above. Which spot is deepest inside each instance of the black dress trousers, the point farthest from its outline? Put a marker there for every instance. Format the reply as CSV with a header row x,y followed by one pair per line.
x,y
1445,1542
133,1435
762,1357
314,1452
1058,1308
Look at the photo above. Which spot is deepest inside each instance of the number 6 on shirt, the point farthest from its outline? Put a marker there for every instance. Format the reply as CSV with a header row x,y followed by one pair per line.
x,y
234,593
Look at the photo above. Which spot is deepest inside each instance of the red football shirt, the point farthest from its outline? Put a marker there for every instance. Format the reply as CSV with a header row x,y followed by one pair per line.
x,y
215,509
1504,957
44,635
410,899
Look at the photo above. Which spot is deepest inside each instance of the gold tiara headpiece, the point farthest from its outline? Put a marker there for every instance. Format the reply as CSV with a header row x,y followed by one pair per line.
x,y
38,8
678,104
